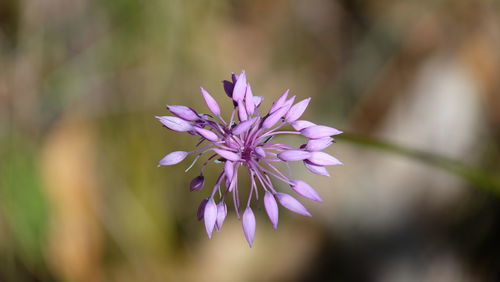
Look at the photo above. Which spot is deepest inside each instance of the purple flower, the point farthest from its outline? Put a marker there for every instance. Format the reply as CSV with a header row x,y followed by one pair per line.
x,y
244,142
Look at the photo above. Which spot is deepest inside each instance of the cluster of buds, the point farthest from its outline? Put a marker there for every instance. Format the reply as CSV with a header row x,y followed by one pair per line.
x,y
246,143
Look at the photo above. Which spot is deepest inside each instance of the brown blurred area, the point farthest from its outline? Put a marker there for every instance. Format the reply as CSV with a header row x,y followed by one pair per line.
x,y
81,198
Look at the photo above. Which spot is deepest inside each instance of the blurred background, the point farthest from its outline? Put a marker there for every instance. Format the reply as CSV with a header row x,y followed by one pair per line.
x,y
414,84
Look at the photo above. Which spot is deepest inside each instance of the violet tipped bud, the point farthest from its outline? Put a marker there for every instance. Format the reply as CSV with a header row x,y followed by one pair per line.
x,y
294,155
210,216
271,208
240,87
175,123
197,183
322,158
207,134
185,113
297,110
248,222
173,158
292,204
318,144
305,190
319,131
221,215
210,101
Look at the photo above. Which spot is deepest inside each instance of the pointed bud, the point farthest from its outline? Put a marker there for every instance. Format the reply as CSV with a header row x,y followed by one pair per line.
x,y
229,169
210,216
249,104
297,110
248,222
207,134
322,158
185,113
280,102
221,215
271,208
197,183
273,118
301,124
288,103
302,188
210,101
294,155
201,209
228,88
292,204
319,131
175,123
242,112
260,152
316,169
318,144
228,155
244,126
240,87
173,158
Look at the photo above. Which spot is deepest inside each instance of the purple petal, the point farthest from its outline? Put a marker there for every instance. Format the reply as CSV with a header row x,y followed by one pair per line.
x,y
319,131
249,104
280,102
210,216
322,158
221,215
297,110
228,87
294,155
305,190
175,123
229,169
273,118
292,204
201,209
207,134
183,112
173,158
318,144
271,208
210,101
257,100
242,112
260,152
228,155
244,126
288,103
240,87
301,124
248,222
197,183
316,169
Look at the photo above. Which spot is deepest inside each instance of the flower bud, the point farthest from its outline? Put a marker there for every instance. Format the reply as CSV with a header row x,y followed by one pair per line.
x,y
322,158
248,222
302,188
210,216
173,158
319,131
292,204
197,183
271,208
294,155
210,101
185,113
175,123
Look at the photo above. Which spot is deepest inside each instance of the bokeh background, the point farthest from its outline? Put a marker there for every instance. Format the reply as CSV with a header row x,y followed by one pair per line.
x,y
414,84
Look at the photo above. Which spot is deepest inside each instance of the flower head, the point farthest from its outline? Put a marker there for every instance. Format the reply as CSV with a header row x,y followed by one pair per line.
x,y
246,144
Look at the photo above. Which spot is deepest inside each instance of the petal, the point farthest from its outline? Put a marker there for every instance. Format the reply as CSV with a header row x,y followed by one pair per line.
x,y
210,216
229,169
173,158
301,124
207,134
249,104
271,208
273,118
260,152
322,158
228,155
221,215
292,204
305,190
297,110
184,112
242,112
319,131
257,100
201,209
294,155
316,169
175,123
318,144
197,183
248,222
243,126
240,87
280,102
210,101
